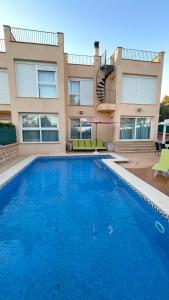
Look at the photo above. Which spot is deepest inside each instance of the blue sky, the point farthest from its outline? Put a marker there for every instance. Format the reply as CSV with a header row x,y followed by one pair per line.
x,y
131,24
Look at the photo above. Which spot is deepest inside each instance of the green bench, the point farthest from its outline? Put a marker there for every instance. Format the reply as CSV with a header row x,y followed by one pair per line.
x,y
88,145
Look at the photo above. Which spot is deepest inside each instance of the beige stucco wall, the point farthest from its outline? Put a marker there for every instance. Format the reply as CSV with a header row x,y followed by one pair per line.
x,y
85,71
127,110
55,54
37,53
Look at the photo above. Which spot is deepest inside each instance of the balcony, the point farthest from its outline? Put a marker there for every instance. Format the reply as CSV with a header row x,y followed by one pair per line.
x,y
76,59
2,45
33,36
109,103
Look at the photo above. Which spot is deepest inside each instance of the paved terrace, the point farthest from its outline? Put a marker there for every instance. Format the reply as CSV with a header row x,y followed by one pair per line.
x,y
140,164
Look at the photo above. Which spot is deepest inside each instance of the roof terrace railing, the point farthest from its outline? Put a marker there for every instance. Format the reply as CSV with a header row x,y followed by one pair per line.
x,y
141,55
2,45
80,59
33,36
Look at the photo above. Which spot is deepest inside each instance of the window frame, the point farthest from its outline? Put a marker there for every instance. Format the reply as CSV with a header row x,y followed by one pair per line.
x,y
79,118
80,80
73,94
45,83
39,67
40,128
7,100
138,100
135,128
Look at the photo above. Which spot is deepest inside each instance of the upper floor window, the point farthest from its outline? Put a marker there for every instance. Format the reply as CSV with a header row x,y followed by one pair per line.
x,y
47,84
36,80
80,91
4,87
74,92
138,89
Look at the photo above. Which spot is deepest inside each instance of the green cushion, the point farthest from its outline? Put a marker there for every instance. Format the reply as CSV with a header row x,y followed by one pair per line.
x,y
88,144
163,164
100,145
81,144
75,144
93,144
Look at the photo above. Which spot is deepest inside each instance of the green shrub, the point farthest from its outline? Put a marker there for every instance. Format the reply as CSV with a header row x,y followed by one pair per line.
x,y
2,125
7,133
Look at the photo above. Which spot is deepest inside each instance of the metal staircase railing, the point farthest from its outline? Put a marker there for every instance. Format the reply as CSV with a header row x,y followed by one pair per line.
x,y
103,73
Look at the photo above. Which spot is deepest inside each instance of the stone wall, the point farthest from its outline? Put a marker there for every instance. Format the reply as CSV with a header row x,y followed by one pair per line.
x,y
8,151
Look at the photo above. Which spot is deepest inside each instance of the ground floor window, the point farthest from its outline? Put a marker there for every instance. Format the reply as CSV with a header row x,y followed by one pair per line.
x,y
80,130
135,128
39,128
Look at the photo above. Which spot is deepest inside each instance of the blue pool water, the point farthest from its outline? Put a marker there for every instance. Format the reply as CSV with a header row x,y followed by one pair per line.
x,y
71,229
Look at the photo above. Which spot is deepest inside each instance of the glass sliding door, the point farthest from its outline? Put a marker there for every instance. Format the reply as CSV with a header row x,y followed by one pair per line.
x,y
80,130
143,129
127,128
136,128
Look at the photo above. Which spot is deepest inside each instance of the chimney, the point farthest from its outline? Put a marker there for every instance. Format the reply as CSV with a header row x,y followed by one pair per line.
x,y
96,48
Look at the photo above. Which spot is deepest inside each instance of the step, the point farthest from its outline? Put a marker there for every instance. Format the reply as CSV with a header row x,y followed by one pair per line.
x,y
140,144
133,146
135,151
136,146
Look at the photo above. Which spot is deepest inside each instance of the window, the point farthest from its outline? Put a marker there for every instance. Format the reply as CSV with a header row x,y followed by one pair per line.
x,y
80,130
80,91
127,128
36,80
4,87
74,92
39,128
46,82
135,128
138,89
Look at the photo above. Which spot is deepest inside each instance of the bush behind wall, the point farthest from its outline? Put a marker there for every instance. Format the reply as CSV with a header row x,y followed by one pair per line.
x,y
7,133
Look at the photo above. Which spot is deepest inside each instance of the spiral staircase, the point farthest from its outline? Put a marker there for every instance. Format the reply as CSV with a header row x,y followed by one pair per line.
x,y
106,97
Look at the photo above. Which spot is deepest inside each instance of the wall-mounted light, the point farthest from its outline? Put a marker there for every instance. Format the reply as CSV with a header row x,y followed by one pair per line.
x,y
139,109
81,112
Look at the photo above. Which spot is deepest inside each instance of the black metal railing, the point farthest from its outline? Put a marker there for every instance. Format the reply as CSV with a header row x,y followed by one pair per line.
x,y
109,96
132,54
2,45
80,59
33,36
104,60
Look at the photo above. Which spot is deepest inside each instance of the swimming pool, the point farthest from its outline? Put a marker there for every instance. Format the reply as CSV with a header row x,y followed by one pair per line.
x,y
72,229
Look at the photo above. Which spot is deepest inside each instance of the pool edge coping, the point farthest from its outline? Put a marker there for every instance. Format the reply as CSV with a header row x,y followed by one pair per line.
x,y
7,175
156,198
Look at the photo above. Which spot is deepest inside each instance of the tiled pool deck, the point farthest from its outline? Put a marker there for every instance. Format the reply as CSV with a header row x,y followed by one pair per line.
x,y
157,199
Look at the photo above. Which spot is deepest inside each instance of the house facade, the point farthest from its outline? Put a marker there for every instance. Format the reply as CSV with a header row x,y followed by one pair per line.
x,y
48,93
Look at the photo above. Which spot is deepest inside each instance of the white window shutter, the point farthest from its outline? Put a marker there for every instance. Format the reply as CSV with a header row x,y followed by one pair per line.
x,y
26,80
46,67
129,89
86,92
4,88
147,90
